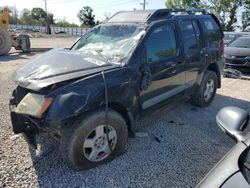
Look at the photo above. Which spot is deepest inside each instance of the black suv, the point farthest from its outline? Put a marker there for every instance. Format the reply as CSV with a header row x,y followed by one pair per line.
x,y
92,94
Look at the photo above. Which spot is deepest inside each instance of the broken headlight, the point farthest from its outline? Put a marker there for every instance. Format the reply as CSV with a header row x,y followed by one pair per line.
x,y
34,105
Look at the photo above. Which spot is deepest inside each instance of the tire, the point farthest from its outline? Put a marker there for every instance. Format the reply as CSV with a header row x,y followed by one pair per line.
x,y
26,45
5,42
74,139
200,99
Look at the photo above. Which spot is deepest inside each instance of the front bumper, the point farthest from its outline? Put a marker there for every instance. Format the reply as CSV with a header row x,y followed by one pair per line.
x,y
21,123
28,125
237,62
243,65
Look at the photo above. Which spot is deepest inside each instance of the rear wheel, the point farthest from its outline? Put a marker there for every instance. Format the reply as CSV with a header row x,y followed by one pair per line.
x,y
207,90
5,42
94,140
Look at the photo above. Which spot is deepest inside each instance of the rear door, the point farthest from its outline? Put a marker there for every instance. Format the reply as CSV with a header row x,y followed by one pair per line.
x,y
193,43
164,64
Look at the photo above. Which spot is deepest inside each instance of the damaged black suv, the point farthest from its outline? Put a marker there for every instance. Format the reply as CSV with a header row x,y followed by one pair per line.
x,y
90,96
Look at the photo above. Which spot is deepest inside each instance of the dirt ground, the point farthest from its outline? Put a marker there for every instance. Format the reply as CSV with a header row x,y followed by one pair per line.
x,y
189,141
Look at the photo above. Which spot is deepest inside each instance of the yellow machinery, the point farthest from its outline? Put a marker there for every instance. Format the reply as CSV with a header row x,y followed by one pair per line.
x,y
18,41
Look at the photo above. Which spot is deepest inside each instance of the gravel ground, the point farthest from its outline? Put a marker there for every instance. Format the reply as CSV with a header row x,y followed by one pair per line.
x,y
188,142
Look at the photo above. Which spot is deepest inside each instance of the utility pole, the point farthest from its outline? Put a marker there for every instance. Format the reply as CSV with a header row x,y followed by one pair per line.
x,y
15,14
46,6
46,19
144,4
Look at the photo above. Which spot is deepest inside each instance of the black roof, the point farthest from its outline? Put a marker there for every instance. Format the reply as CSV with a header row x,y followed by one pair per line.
x,y
151,15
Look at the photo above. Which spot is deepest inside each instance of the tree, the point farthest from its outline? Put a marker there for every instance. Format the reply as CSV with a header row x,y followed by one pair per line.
x,y
229,26
38,13
245,17
25,17
97,22
50,18
245,20
64,23
225,10
183,3
86,16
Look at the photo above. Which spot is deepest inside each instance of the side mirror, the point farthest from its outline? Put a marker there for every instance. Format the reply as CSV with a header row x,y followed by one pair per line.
x,y
233,121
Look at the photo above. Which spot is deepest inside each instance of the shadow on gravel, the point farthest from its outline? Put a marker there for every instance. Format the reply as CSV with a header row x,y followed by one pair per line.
x,y
20,55
188,145
40,49
15,56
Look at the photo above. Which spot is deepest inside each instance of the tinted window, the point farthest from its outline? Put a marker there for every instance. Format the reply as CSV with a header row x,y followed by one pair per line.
x,y
209,25
189,36
197,29
161,44
213,29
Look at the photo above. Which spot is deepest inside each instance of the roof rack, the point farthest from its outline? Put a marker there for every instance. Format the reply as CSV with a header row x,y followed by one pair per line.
x,y
150,15
164,13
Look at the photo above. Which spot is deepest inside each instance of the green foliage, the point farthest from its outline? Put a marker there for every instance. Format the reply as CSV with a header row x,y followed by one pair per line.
x,y
97,22
36,16
26,17
183,3
245,18
50,18
38,13
225,10
64,23
86,16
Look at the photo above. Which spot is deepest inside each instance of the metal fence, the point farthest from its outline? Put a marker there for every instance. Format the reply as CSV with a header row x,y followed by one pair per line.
x,y
75,31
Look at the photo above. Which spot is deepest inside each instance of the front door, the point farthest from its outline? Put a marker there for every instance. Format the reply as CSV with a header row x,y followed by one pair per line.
x,y
164,67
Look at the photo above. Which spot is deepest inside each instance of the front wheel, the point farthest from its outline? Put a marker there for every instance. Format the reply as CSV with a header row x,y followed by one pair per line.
x,y
207,90
94,140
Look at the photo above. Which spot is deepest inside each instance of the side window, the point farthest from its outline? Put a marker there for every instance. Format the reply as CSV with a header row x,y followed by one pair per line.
x,y
212,29
197,30
189,36
161,44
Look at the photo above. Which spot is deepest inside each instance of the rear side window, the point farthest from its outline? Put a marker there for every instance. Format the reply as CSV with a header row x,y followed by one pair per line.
x,y
213,30
190,35
161,43
209,25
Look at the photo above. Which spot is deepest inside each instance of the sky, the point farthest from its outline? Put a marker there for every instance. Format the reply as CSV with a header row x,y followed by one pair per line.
x,y
68,9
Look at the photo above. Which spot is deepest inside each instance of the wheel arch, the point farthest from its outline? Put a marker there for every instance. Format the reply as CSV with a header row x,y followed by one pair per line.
x,y
116,106
214,67
128,117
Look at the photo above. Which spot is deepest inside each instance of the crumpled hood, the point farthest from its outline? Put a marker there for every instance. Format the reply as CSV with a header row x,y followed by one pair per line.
x,y
58,65
237,51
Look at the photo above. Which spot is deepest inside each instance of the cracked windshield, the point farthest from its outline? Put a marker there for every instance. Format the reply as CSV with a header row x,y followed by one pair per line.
x,y
111,43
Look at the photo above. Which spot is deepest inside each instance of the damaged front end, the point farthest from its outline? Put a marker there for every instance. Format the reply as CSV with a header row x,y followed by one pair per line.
x,y
63,83
27,110
47,110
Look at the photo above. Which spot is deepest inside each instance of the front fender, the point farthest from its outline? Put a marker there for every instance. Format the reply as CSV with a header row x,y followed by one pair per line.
x,y
76,98
67,105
